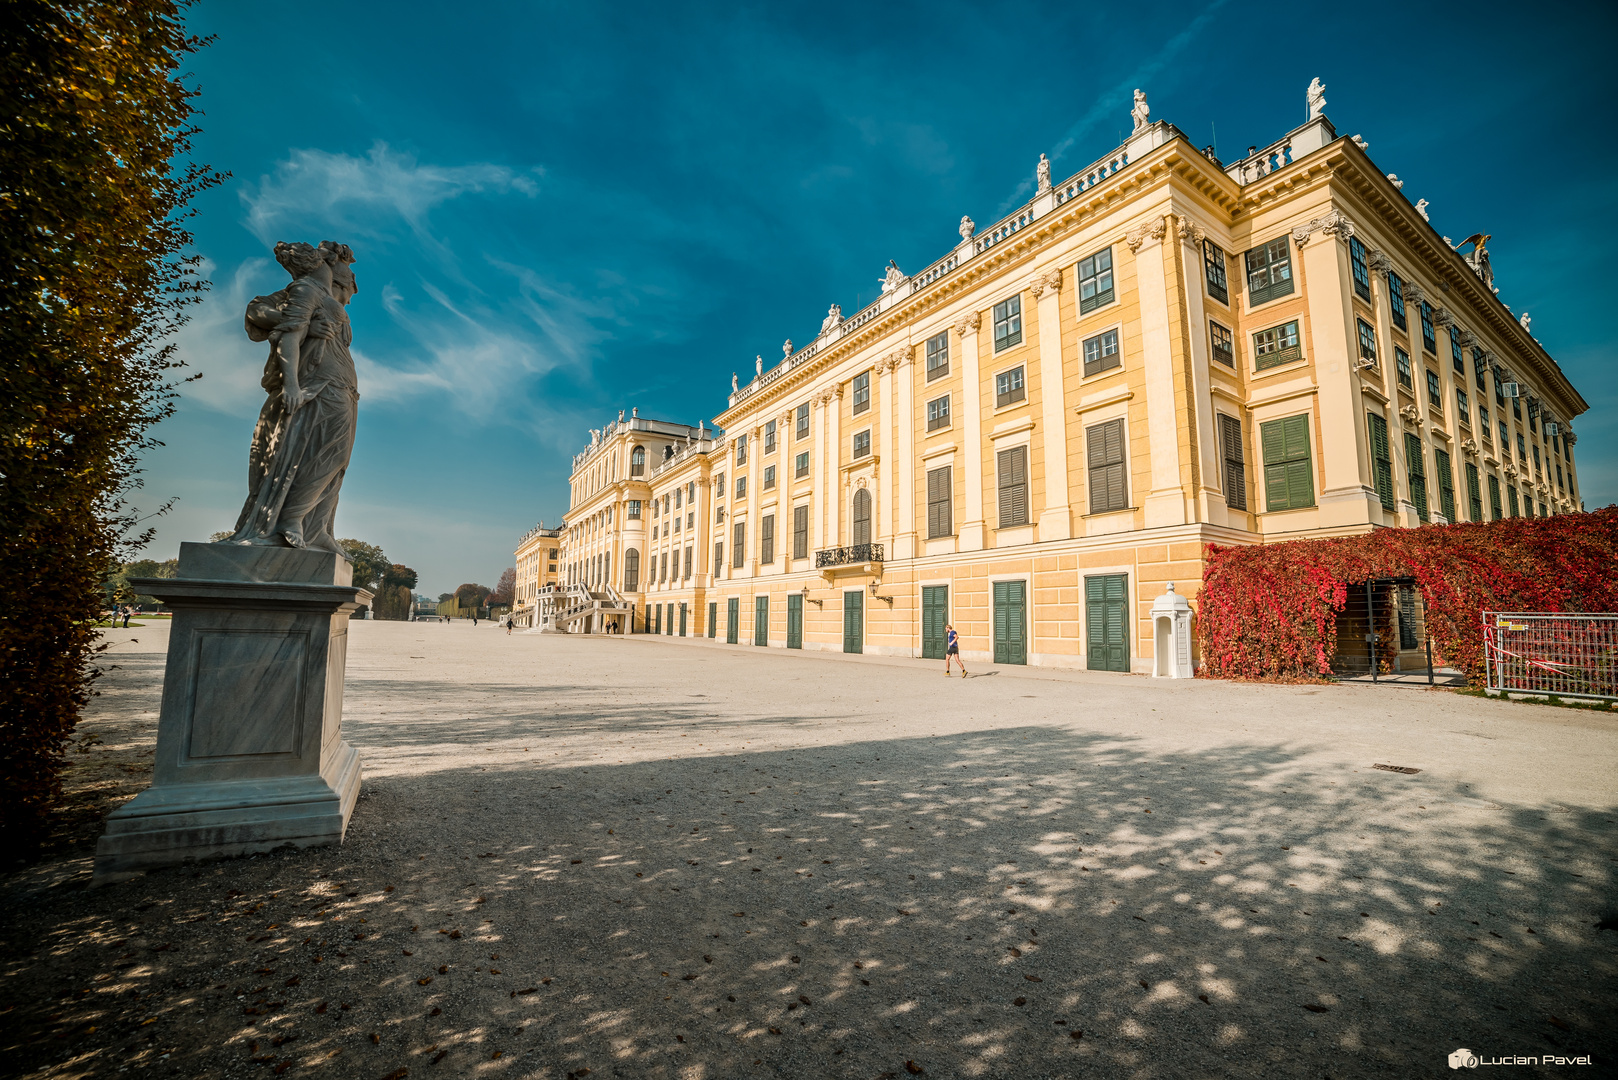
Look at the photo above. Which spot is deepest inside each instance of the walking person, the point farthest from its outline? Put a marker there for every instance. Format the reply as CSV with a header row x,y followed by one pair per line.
x,y
508,626
128,611
952,650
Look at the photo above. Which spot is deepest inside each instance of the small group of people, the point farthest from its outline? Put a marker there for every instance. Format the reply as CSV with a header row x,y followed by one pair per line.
x,y
123,611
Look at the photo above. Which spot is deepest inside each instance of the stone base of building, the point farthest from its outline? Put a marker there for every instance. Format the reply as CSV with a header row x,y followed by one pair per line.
x,y
250,753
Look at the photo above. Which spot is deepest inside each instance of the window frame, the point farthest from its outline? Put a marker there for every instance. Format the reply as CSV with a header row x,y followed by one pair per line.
x,y
1011,487
1396,301
1463,406
859,449
738,545
1214,272
741,486
940,502
1104,361
766,540
1100,281
800,531
769,436
1215,328
1281,355
1233,455
769,477
1435,389
801,422
1269,264
861,387
1106,472
1404,368
936,351
1367,335
1359,268
938,414
1012,394
1429,336
1290,433
1008,314
800,465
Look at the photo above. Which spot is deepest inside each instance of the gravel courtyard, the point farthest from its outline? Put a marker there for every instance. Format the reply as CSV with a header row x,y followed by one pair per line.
x,y
640,857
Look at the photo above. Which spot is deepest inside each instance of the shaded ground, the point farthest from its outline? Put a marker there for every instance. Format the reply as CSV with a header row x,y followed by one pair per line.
x,y
646,858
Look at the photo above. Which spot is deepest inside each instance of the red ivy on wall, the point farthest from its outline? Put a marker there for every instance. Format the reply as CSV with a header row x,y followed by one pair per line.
x,y
1270,611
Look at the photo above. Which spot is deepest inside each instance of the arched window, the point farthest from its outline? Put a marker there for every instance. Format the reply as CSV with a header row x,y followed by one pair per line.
x,y
862,517
631,571
637,461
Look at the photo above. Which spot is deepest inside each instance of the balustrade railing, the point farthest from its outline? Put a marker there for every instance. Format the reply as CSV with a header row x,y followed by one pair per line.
x,y
935,271
1006,228
848,556
1092,176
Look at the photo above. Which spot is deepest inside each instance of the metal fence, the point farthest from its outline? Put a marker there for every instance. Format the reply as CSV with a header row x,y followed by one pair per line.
x,y
1536,652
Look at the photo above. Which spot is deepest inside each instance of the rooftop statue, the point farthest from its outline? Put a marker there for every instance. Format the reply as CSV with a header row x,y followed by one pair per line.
x,y
734,386
1141,112
1524,320
1393,178
1317,98
758,366
305,432
968,227
834,315
786,347
893,278
1421,208
1042,174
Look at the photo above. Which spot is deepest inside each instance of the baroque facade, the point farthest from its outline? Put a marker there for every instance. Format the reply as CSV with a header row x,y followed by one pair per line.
x,y
1033,436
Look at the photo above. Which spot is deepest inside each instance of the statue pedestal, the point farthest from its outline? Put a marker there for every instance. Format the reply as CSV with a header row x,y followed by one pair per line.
x,y
250,753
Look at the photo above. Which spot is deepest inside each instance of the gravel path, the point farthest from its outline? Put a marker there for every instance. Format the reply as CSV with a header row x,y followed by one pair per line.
x,y
636,857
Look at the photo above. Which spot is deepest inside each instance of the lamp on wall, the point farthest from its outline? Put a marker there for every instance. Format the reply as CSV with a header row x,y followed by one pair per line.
x,y
812,600
885,599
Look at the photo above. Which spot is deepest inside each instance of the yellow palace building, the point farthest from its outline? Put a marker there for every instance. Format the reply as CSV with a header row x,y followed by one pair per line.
x,y
1033,436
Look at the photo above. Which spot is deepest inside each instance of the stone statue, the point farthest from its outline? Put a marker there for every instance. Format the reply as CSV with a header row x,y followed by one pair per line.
x,y
1478,260
758,366
634,413
968,227
1317,98
1393,178
1421,208
786,347
1141,113
1359,141
893,278
1524,320
834,315
305,431
1042,174
734,385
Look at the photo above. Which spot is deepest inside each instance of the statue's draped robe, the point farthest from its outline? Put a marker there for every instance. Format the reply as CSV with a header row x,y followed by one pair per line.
x,y
297,461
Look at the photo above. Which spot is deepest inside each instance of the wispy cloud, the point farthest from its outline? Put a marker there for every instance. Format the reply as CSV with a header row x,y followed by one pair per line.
x,y
214,345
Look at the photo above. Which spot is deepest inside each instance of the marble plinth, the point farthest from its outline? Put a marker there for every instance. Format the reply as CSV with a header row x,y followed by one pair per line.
x,y
250,753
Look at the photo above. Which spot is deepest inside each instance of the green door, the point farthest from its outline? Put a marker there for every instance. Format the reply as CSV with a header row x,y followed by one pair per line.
x,y
794,621
670,630
713,618
733,619
934,614
657,613
1010,622
854,621
1105,600
761,620
682,620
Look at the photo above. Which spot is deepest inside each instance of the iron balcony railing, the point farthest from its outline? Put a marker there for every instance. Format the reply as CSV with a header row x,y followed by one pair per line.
x,y
846,556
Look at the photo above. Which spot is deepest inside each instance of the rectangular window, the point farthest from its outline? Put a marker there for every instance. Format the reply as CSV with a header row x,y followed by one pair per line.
x,y
769,436
1401,360
1479,366
1104,454
1456,356
940,520
738,543
1008,323
1494,498
1435,390
1416,468
1289,479
1011,467
1213,263
634,508
688,552
800,532
1095,281
1505,438
1276,346
938,355
741,449
862,443
1101,353
741,487
1381,460
1474,497
1230,445
1360,269
1511,499
718,555
862,392
719,486
938,413
1516,405
1269,271
1499,391
800,465
1428,340
1463,408
769,477
1367,342
1224,344
1483,420
802,425
665,563
1522,448
1537,467
766,539
1396,299
1008,387
679,493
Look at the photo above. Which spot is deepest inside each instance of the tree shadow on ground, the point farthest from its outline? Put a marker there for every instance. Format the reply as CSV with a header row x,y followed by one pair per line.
x,y
1021,902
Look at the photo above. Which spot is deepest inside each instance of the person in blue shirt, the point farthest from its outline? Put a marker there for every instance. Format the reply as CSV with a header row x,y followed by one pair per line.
x,y
952,650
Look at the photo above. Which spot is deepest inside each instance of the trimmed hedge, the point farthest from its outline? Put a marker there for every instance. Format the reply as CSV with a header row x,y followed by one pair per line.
x,y
1269,611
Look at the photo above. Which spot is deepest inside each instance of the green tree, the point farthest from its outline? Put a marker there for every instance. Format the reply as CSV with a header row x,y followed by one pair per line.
x,y
471,597
95,132
399,574
370,565
393,597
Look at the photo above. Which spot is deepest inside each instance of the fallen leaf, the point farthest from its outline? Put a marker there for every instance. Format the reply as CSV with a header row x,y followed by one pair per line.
x,y
291,982
442,1054
1558,1023
1075,1034
397,1074
913,1069
443,969
1033,978
1016,952
1204,999
376,1040
322,1006
1316,1008
1144,985
1019,1001
805,1000
424,982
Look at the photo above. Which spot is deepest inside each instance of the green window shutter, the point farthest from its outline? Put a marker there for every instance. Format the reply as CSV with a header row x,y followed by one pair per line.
x,y
1105,611
738,544
1446,485
1012,469
766,539
1289,481
1511,499
1104,451
1381,462
934,614
940,495
761,620
800,532
713,618
1474,498
1416,460
1230,436
1494,497
794,621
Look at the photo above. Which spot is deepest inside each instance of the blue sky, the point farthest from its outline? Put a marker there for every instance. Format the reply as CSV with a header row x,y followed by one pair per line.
x,y
561,211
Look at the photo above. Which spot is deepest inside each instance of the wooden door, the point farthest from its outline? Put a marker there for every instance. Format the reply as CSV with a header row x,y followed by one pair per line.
x,y
934,614
733,620
761,620
854,621
794,621
1010,622
1106,601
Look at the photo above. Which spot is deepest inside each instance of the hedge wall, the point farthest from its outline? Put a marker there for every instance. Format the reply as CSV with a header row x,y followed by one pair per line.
x,y
1270,611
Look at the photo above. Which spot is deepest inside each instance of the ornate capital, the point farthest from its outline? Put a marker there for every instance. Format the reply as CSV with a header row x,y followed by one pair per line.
x,y
1050,279
1138,236
1468,339
1411,416
1469,447
1414,293
1332,223
1380,263
1443,319
1191,234
968,323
